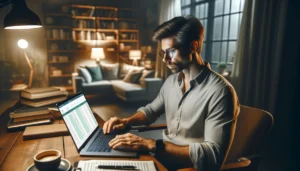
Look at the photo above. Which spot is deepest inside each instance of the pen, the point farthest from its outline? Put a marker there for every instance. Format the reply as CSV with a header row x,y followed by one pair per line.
x,y
116,167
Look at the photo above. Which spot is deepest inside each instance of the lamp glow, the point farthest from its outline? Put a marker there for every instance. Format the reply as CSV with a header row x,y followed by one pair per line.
x,y
22,43
97,53
135,55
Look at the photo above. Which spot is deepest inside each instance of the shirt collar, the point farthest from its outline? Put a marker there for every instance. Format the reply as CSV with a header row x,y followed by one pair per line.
x,y
199,78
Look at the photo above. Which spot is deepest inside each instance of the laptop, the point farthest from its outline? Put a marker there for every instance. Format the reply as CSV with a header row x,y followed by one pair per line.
x,y
88,137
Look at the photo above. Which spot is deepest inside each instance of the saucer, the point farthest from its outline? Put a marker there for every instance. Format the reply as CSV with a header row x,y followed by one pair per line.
x,y
64,166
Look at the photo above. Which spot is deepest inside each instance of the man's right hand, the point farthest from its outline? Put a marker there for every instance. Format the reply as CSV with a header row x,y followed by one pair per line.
x,y
114,123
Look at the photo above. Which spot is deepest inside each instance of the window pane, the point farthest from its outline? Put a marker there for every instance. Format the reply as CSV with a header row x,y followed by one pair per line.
x,y
235,5
242,5
227,6
201,10
234,20
224,52
216,51
204,24
218,7
225,27
239,25
229,67
214,67
203,51
198,0
217,28
231,51
186,11
185,2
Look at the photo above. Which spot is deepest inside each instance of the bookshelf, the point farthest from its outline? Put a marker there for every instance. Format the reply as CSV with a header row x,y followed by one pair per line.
x,y
108,27
58,30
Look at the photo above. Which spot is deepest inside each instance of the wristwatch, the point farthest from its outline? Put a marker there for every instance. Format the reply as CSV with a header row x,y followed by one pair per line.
x,y
160,146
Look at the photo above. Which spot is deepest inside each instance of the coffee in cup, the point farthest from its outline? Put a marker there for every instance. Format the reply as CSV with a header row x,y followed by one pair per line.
x,y
47,159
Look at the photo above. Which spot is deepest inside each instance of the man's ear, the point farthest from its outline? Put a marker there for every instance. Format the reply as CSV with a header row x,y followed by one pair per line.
x,y
194,46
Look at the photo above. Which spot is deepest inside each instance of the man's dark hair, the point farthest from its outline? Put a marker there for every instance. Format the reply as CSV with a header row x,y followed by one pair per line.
x,y
183,29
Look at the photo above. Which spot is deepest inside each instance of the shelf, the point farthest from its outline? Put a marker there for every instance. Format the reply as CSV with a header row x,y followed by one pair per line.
x,y
107,30
99,41
60,62
60,39
128,30
83,17
109,8
64,51
106,18
58,27
127,19
57,14
58,76
128,40
82,6
84,29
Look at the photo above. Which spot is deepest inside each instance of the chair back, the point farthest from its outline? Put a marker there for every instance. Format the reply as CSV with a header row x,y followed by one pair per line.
x,y
252,128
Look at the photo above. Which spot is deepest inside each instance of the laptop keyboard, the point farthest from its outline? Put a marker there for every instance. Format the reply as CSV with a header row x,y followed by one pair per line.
x,y
100,143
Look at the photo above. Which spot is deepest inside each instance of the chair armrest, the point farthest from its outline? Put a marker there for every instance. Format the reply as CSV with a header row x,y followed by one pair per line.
x,y
77,83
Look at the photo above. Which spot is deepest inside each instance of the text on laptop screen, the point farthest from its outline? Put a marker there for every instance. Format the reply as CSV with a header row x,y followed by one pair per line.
x,y
79,119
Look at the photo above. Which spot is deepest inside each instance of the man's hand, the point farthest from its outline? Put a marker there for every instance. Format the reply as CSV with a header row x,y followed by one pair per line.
x,y
114,123
132,142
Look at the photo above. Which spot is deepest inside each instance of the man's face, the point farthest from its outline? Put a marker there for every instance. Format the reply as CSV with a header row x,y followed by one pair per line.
x,y
175,59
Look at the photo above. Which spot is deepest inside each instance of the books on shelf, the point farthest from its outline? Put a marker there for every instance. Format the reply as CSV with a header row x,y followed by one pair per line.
x,y
29,111
38,93
43,102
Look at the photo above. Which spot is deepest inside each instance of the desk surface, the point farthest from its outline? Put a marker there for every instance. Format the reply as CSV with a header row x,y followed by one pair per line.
x,y
17,154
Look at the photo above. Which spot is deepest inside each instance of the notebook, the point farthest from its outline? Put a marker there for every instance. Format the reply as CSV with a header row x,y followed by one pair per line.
x,y
88,137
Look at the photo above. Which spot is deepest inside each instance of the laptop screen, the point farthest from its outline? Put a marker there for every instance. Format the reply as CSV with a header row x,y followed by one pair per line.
x,y
79,118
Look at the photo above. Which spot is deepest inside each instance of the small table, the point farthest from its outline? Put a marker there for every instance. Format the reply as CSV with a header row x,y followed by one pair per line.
x,y
17,154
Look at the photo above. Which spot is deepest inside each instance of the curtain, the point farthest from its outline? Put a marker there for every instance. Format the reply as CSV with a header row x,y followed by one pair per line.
x,y
168,10
256,68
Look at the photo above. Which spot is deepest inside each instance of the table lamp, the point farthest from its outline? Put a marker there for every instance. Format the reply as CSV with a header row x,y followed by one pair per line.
x,y
97,53
23,44
135,55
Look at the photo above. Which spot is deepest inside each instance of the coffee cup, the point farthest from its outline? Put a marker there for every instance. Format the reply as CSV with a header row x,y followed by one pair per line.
x,y
47,160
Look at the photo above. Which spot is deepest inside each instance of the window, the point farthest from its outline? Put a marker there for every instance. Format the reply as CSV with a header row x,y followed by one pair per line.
x,y
221,20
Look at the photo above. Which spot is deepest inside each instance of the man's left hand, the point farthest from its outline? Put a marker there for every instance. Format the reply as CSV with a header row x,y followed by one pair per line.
x,y
132,142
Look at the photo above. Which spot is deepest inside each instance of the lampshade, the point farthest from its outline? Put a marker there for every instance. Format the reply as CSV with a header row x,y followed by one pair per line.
x,y
135,54
97,53
21,17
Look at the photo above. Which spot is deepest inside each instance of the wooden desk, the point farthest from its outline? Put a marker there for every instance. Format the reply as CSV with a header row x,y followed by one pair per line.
x,y
17,154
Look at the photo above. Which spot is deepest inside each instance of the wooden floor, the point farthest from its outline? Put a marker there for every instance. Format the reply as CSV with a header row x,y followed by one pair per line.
x,y
108,108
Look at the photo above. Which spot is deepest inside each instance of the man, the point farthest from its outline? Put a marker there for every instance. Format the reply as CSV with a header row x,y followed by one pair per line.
x,y
200,105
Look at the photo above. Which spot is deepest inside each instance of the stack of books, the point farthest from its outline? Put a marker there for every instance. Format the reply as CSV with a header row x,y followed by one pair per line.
x,y
37,108
37,97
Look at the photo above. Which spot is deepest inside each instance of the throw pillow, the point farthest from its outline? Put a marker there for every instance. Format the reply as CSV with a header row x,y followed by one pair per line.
x,y
133,76
95,72
110,71
124,69
83,72
146,74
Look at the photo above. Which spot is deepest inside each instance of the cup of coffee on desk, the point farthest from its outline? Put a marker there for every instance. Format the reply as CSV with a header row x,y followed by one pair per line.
x,y
47,159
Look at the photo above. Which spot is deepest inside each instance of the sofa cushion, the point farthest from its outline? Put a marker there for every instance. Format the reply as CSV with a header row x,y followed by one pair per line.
x,y
146,74
95,87
83,72
127,90
95,72
124,69
133,76
110,71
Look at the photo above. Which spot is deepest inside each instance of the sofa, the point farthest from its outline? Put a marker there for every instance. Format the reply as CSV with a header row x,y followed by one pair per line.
x,y
129,83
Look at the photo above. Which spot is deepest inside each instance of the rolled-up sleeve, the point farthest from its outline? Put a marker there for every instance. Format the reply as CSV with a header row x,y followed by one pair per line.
x,y
156,108
209,155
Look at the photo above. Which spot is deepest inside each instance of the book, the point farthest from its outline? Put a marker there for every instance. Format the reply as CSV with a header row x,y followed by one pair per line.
x,y
14,126
54,115
45,95
45,131
37,93
139,165
43,102
25,111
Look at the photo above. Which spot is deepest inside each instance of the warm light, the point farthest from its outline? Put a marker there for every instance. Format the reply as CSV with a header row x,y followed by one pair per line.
x,y
22,27
22,43
135,54
97,53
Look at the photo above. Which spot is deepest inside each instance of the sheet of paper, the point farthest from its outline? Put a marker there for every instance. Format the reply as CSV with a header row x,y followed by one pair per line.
x,y
91,165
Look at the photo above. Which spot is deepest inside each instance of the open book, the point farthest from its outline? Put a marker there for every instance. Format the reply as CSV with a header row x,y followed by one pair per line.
x,y
91,165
